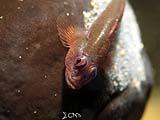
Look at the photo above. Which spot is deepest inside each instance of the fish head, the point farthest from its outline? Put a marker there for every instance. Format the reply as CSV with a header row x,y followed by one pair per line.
x,y
80,70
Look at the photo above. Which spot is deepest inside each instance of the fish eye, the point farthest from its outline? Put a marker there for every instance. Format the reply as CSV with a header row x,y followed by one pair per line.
x,y
80,63
78,60
93,73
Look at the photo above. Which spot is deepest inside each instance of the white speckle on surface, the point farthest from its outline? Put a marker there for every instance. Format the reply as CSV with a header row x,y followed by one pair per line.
x,y
115,83
1,17
35,112
117,20
65,3
67,14
45,76
20,57
26,48
20,0
55,95
18,8
19,91
122,52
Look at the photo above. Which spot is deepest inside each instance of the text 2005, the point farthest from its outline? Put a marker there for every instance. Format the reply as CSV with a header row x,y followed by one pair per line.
x,y
71,115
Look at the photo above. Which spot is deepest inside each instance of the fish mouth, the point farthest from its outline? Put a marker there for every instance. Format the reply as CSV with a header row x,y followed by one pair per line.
x,y
72,83
75,83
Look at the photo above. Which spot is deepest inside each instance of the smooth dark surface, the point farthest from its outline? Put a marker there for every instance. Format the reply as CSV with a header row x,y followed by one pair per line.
x,y
31,60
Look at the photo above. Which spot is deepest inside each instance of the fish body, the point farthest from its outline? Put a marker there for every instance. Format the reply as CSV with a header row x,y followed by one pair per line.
x,y
88,48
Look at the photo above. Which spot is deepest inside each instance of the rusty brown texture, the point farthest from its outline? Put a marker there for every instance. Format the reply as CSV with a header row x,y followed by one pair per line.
x,y
31,59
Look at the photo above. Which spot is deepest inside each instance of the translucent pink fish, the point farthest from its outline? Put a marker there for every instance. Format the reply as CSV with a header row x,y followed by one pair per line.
x,y
87,49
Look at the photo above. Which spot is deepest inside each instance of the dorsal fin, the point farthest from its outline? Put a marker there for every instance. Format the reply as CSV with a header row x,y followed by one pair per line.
x,y
68,28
